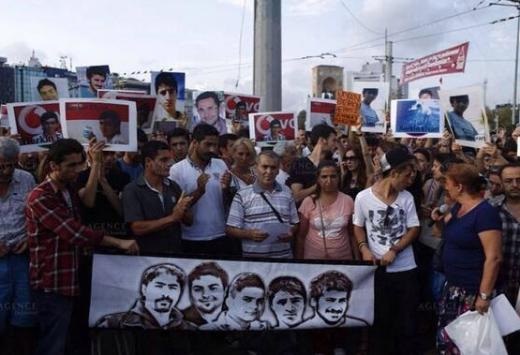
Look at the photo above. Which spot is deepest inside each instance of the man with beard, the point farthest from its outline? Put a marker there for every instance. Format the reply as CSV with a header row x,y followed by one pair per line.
x,y
96,77
368,114
207,283
206,179
208,106
462,128
287,300
156,308
155,206
166,89
329,296
245,304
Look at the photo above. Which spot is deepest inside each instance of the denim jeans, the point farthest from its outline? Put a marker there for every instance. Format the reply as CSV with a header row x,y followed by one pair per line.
x,y
16,306
54,313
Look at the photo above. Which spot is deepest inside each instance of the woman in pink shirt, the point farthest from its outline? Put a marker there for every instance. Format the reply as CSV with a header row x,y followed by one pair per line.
x,y
326,219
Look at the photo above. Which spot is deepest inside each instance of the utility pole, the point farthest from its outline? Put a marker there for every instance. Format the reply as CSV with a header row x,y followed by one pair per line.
x,y
389,60
514,3
267,72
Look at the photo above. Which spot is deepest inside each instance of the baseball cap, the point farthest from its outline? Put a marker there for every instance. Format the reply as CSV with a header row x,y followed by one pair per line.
x,y
395,157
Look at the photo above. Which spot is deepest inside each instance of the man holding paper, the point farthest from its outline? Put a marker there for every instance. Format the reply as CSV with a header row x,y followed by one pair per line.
x,y
264,215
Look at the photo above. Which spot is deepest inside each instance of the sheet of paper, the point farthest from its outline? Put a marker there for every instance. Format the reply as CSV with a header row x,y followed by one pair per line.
x,y
507,319
274,230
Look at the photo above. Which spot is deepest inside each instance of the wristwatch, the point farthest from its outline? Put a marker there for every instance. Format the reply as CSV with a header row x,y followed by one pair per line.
x,y
484,296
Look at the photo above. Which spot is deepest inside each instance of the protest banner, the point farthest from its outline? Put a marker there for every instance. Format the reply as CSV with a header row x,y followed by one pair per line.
x,y
319,111
374,96
238,107
145,105
93,78
448,61
466,115
181,293
169,90
37,123
348,105
268,128
412,118
209,107
111,121
49,88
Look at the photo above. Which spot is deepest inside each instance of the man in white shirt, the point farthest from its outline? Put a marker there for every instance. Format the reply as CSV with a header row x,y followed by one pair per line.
x,y
206,179
385,225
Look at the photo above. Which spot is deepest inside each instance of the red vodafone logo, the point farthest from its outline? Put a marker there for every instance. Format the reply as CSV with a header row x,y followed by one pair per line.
x,y
29,119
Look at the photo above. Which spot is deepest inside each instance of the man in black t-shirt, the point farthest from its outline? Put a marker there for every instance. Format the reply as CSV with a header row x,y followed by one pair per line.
x,y
302,176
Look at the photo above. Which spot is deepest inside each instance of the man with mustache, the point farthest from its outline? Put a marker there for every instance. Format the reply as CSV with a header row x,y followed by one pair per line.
x,y
206,179
329,296
160,292
287,300
207,283
208,109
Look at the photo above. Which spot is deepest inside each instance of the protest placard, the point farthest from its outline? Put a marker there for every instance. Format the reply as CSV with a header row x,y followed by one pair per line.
x,y
348,105
412,118
319,111
268,128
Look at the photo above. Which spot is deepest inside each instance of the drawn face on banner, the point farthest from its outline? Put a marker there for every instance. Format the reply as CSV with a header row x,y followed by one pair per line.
x,y
332,306
288,307
208,110
247,304
162,293
207,293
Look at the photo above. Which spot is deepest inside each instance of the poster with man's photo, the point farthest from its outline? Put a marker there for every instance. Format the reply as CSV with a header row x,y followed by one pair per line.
x,y
4,118
466,115
169,90
416,118
48,89
111,121
269,128
319,111
145,105
209,107
374,97
93,78
215,295
425,93
238,107
37,123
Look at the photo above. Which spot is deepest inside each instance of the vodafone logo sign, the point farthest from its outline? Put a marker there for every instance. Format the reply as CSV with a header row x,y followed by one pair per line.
x,y
29,119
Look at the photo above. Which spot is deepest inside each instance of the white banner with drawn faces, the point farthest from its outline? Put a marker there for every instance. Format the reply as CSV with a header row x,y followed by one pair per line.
x,y
374,97
466,115
212,295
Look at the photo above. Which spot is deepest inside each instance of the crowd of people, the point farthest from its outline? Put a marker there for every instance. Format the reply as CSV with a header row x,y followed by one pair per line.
x,y
441,222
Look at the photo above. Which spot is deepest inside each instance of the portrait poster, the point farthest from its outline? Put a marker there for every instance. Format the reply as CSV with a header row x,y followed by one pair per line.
x,y
411,118
169,90
111,121
44,90
319,111
269,128
213,295
239,106
93,78
37,123
466,115
374,97
347,108
144,104
431,92
209,107
4,118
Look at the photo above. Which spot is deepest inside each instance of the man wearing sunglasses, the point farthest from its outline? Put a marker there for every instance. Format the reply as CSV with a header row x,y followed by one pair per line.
x,y
385,225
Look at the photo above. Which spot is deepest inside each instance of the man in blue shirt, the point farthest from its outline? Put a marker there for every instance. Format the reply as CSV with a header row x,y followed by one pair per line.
x,y
462,128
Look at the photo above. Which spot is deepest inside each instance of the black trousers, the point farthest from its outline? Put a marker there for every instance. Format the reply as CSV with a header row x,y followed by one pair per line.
x,y
396,300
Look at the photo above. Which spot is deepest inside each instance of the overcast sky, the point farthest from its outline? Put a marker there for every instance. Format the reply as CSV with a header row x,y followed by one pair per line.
x,y
201,38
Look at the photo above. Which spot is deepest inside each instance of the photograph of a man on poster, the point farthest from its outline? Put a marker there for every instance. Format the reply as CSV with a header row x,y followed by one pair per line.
x,y
166,88
209,108
93,78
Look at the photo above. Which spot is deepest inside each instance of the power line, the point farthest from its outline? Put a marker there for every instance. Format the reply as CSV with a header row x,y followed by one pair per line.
x,y
358,20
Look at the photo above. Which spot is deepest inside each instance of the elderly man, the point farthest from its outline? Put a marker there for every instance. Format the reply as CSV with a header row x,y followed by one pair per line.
x,y
15,299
